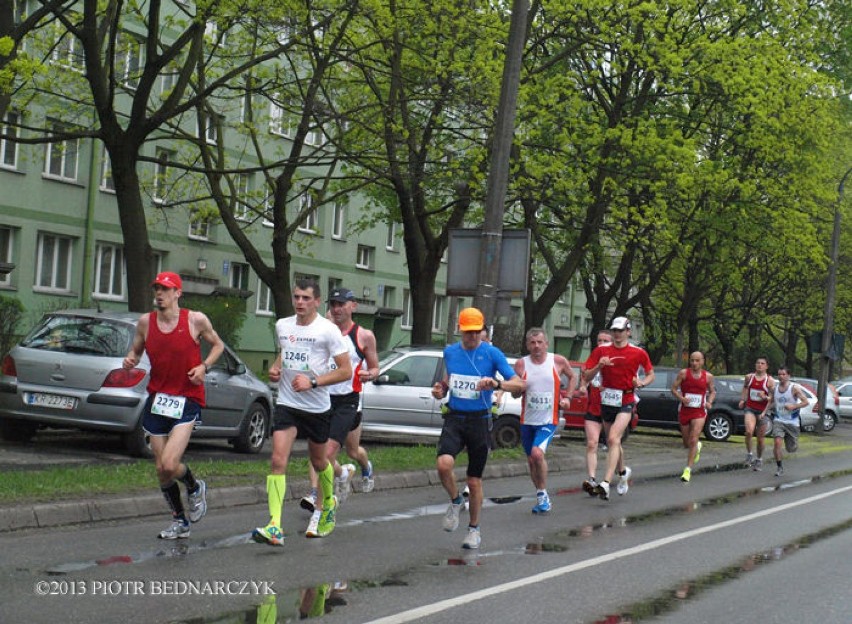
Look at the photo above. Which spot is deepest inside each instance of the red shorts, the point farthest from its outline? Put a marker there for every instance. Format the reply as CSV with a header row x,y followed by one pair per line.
x,y
687,414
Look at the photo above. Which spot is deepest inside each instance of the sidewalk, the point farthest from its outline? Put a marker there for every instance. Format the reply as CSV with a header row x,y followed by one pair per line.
x,y
567,455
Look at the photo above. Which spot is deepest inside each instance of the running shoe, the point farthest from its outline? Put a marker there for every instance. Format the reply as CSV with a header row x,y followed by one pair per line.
x,y
328,519
198,502
313,525
542,503
451,517
749,460
367,480
343,483
270,534
687,474
589,486
758,464
178,529
309,501
602,490
697,452
780,471
473,538
623,481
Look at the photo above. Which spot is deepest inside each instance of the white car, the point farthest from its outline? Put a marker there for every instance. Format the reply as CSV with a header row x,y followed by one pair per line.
x,y
399,403
844,398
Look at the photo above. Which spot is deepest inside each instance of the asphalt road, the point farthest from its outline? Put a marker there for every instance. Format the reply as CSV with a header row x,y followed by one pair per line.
x,y
733,545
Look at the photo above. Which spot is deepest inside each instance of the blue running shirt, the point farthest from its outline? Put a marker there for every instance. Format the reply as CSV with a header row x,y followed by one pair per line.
x,y
465,368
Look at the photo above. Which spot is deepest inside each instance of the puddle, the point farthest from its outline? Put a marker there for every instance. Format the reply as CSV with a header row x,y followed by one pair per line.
x,y
672,598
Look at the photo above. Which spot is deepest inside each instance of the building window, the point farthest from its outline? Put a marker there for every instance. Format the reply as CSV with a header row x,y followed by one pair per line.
x,y
338,225
109,271
168,80
390,244
389,297
310,224
334,282
241,209
280,119
60,157
9,147
6,249
239,275
68,51
161,175
211,130
315,136
156,263
53,263
407,320
199,227
130,59
265,304
439,313
107,183
364,259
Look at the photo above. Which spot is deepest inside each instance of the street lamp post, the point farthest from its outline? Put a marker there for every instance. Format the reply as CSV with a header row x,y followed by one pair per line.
x,y
831,287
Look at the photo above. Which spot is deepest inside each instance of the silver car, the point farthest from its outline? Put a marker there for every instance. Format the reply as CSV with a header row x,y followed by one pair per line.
x,y
844,398
67,372
399,402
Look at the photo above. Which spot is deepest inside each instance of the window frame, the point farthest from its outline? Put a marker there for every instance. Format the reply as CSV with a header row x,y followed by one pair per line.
x,y
117,256
55,262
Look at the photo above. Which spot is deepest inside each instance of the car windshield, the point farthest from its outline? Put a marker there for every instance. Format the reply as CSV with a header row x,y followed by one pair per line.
x,y
387,357
81,334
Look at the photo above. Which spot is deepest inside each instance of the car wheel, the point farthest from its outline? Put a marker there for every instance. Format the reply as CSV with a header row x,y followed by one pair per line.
x,y
14,430
137,442
254,430
507,432
718,427
829,421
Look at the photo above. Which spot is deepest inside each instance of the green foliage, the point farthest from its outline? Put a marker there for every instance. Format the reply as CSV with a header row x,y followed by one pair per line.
x,y
11,313
227,314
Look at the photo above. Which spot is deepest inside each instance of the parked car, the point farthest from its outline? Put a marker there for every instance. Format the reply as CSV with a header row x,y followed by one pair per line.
x,y
658,407
575,415
832,400
67,372
844,398
399,401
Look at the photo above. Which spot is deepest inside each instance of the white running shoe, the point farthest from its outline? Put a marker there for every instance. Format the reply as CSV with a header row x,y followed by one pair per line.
x,y
451,517
343,483
473,539
602,490
309,501
198,502
176,530
313,525
367,480
623,481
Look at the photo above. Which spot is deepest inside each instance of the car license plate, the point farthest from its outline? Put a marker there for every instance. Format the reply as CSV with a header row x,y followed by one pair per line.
x,y
57,401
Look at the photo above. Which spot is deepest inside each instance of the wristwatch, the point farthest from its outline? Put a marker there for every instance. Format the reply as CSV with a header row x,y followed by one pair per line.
x,y
313,382
499,385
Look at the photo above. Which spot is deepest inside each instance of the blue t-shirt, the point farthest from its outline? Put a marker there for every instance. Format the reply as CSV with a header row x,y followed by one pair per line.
x,y
465,368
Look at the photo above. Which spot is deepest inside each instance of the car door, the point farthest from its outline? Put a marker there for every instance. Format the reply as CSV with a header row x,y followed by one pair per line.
x,y
225,393
402,394
657,405
844,396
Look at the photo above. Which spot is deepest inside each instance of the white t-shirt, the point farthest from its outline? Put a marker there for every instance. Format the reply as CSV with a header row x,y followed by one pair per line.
x,y
306,349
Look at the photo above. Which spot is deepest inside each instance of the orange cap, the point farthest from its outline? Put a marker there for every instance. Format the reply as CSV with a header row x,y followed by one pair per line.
x,y
471,319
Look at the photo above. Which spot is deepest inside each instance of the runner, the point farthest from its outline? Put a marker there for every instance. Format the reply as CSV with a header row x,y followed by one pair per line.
x,y
306,343
696,391
171,337
469,381
757,390
787,399
540,407
619,364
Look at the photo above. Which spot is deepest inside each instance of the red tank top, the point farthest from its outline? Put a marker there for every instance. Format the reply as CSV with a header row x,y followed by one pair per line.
x,y
691,385
756,388
172,355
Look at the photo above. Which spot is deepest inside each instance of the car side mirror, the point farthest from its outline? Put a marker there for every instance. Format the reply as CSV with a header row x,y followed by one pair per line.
x,y
381,379
240,369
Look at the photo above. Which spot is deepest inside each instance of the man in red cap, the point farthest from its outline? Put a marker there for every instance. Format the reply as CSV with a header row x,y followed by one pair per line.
x,y
470,379
171,337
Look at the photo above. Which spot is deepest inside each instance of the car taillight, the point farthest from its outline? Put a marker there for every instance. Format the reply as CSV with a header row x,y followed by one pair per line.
x,y
8,367
123,378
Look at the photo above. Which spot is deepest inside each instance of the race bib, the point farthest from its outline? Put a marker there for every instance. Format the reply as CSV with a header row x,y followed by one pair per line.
x,y
295,358
611,397
693,400
464,386
756,395
168,405
540,402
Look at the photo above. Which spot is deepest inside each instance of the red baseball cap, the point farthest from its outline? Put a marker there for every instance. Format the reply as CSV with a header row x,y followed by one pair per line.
x,y
169,280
